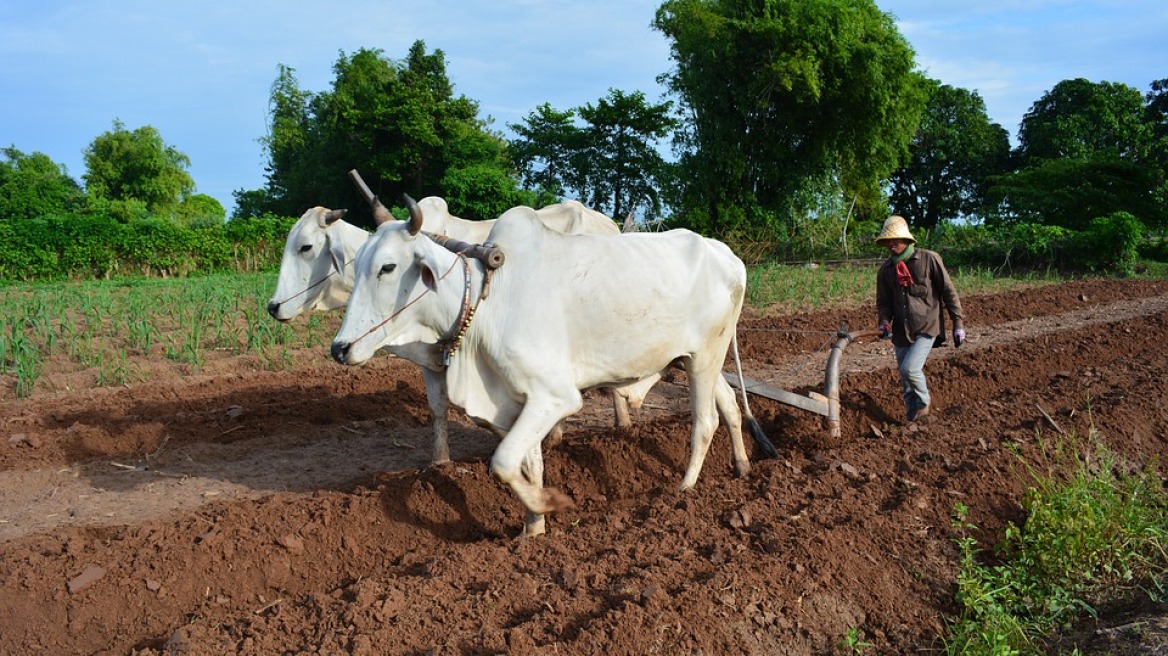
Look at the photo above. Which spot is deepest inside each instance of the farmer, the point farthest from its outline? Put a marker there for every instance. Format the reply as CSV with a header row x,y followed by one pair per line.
x,y
912,287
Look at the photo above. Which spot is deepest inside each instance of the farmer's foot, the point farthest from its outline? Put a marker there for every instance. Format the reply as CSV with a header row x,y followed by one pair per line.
x,y
921,416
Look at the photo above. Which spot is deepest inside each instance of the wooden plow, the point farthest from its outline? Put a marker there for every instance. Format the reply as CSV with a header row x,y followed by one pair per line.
x,y
826,404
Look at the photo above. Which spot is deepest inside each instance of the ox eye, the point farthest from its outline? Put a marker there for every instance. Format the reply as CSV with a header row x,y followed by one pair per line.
x,y
387,268
305,248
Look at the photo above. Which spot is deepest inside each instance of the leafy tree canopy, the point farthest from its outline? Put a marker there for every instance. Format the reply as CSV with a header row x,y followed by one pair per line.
x,y
200,211
1070,193
547,150
397,122
951,159
1086,150
1157,110
124,165
1157,119
1081,119
609,162
783,94
32,185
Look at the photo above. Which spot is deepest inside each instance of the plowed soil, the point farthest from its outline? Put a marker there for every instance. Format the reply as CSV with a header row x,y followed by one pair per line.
x,y
241,511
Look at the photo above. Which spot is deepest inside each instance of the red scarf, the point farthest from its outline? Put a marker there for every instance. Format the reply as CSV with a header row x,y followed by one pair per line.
x,y
903,275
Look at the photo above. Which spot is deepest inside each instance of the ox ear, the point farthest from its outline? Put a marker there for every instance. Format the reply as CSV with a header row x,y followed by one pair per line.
x,y
330,217
430,269
340,258
415,214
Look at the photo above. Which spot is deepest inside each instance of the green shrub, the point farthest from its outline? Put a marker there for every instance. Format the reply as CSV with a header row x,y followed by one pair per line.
x,y
1092,530
100,245
1154,248
1110,244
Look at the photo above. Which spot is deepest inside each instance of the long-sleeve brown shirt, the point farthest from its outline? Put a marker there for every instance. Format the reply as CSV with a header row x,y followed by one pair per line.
x,y
916,310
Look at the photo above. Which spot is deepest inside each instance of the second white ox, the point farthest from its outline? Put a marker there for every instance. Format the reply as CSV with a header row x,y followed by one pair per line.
x,y
316,270
563,314
316,273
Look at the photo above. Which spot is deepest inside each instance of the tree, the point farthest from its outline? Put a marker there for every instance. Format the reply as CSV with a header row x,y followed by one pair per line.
x,y
1079,119
611,162
292,153
624,167
1071,192
782,95
398,123
951,159
33,185
252,203
547,150
1157,111
137,166
200,211
1157,120
1085,151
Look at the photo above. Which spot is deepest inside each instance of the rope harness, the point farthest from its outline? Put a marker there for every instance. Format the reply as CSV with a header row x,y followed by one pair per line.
x,y
336,268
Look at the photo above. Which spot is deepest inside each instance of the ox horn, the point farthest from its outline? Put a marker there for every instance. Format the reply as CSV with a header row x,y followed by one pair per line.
x,y
415,215
332,216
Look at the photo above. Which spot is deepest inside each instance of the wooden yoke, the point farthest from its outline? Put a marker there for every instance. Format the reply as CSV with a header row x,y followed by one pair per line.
x,y
490,255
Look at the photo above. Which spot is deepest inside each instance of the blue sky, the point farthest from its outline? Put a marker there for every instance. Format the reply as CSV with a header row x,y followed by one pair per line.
x,y
200,72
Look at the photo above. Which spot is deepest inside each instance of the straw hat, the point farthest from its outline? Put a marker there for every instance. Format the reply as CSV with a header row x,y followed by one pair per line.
x,y
895,228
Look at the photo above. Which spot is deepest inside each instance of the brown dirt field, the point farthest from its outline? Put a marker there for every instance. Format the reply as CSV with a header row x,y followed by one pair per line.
x,y
249,512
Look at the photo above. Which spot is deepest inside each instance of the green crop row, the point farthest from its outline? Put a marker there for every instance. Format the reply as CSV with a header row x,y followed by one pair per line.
x,y
117,331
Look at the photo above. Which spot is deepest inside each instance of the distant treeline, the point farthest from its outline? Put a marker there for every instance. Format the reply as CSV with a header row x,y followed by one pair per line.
x,y
97,246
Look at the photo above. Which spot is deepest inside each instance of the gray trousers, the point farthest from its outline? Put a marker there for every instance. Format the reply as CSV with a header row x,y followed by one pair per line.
x,y
910,360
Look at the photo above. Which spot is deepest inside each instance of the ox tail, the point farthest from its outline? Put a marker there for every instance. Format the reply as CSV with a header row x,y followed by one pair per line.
x,y
752,425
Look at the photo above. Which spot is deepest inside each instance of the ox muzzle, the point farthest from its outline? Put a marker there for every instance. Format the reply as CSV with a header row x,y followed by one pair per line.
x,y
340,351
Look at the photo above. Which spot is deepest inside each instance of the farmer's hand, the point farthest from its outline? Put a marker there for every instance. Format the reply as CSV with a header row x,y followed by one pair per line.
x,y
958,337
885,330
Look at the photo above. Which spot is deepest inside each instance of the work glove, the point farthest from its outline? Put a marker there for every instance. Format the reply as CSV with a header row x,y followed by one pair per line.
x,y
958,337
885,330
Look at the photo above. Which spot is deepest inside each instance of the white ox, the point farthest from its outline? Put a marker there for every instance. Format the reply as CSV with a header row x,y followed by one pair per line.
x,y
316,273
563,314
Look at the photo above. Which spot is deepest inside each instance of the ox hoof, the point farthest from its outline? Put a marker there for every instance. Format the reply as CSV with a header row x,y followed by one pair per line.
x,y
555,501
531,531
742,468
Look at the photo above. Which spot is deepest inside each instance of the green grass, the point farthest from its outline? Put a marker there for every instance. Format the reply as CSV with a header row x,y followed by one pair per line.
x,y
1094,530
794,288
